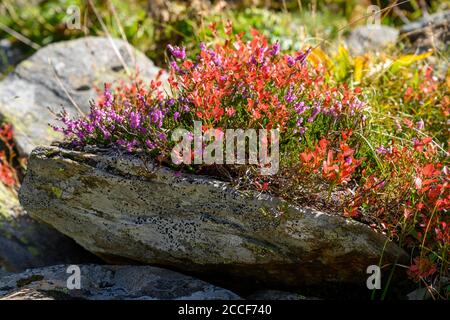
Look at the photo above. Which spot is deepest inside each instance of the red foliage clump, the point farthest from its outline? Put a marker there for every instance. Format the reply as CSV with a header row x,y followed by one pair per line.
x,y
8,174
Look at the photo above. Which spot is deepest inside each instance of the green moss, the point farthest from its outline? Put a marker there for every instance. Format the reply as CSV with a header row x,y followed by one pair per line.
x,y
34,251
57,192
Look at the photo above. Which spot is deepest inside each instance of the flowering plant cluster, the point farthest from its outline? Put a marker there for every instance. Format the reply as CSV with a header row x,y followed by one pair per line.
x,y
336,167
325,127
408,199
235,84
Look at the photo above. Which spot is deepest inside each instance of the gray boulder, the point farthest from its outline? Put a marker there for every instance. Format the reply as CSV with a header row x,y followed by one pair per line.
x,y
26,243
371,38
103,282
122,206
74,66
432,31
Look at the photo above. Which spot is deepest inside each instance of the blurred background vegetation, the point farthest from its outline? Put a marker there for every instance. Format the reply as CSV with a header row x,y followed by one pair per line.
x,y
151,24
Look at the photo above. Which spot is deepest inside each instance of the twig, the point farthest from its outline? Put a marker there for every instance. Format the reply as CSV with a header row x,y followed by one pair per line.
x,y
105,29
19,37
65,90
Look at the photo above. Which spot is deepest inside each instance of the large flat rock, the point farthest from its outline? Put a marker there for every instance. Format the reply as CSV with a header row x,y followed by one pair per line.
x,y
122,206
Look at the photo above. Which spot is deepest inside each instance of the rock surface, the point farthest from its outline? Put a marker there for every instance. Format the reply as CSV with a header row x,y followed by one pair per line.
x,y
102,282
371,38
26,243
276,295
80,65
121,206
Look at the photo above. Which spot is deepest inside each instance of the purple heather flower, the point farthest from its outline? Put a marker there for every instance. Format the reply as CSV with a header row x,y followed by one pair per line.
x,y
420,124
315,112
290,96
157,117
176,115
290,60
150,144
135,120
217,60
107,95
177,174
275,49
162,136
300,107
170,102
185,108
302,57
177,52
175,67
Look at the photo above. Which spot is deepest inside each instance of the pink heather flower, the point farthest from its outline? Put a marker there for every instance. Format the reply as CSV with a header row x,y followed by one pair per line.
x,y
382,150
230,111
190,136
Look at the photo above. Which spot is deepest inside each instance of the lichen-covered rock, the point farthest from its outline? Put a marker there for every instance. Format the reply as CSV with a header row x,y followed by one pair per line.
x,y
103,282
75,66
122,206
277,295
26,243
